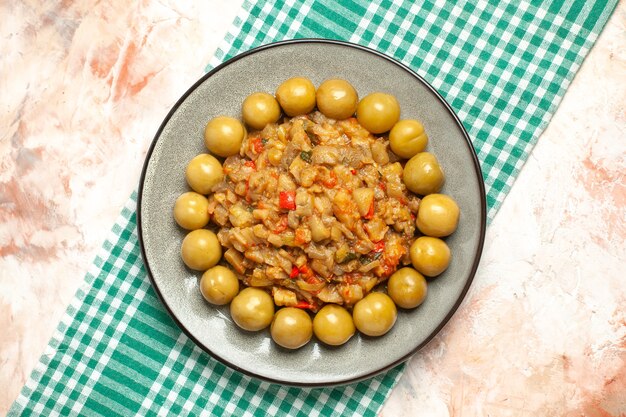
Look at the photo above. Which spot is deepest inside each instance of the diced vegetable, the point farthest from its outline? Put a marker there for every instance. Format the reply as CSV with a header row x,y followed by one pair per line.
x,y
303,235
376,229
331,182
287,200
257,145
319,232
294,272
311,287
282,225
345,209
364,199
283,297
235,259
379,153
304,305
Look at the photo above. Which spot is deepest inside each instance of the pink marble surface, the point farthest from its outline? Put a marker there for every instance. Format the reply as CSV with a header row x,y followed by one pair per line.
x,y
85,84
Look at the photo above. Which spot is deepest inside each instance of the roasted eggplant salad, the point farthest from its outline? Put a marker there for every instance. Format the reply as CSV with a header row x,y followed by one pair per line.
x,y
317,214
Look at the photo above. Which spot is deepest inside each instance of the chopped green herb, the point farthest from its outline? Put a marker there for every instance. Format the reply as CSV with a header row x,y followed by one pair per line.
x,y
306,156
377,255
264,140
349,257
364,260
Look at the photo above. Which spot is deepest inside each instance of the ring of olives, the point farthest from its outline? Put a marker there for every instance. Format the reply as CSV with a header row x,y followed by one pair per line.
x,y
252,308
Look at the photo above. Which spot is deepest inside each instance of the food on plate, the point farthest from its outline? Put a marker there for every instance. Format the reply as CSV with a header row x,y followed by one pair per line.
x,y
315,211
430,255
333,325
423,175
378,112
407,138
291,328
438,215
407,288
375,315
201,250
296,96
252,309
203,172
191,210
324,223
337,99
260,109
223,136
219,285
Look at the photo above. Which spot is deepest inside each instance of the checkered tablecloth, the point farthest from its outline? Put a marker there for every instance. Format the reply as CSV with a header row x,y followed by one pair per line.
x,y
502,65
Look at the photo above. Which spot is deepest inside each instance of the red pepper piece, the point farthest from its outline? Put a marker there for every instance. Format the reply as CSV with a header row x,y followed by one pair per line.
x,y
250,164
353,171
294,272
380,246
287,200
304,305
332,181
257,145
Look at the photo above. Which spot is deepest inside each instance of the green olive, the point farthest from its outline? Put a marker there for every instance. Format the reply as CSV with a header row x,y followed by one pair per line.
x,y
223,136
219,285
201,250
296,96
422,174
407,138
259,110
437,215
333,325
375,314
203,173
252,309
337,99
378,112
191,210
291,328
407,288
430,255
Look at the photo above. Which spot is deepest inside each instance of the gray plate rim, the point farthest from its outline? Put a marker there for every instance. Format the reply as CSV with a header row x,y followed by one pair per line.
x,y
477,169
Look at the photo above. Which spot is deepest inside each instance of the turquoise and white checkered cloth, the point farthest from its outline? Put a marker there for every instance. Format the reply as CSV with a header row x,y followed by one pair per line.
x,y
502,65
